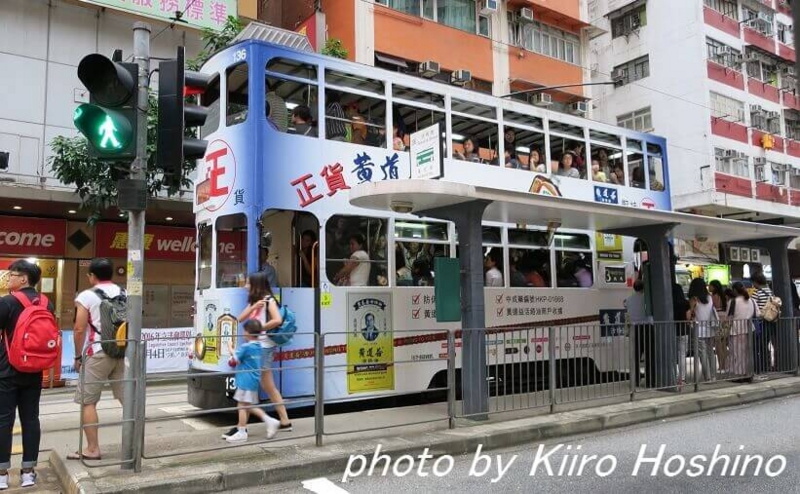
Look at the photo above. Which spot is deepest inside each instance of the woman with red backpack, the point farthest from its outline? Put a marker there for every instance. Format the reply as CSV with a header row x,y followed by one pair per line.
x,y
24,311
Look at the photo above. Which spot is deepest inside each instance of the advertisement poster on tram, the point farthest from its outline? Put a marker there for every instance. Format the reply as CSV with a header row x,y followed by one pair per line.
x,y
370,343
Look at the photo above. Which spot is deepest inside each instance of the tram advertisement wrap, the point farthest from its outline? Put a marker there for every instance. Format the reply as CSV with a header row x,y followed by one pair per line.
x,y
370,343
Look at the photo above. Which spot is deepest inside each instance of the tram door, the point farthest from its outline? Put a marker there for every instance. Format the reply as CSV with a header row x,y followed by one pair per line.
x,y
288,245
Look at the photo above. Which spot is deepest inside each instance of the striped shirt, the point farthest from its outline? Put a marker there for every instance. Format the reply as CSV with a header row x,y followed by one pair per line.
x,y
335,126
762,296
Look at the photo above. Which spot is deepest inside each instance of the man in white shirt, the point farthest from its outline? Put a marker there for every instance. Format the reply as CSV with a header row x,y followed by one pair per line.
x,y
98,367
494,277
356,270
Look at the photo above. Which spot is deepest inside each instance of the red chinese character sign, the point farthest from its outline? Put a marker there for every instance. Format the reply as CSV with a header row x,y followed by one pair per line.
x,y
218,173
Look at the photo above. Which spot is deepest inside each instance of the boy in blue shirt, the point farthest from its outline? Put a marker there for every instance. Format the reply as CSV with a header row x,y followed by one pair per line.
x,y
248,367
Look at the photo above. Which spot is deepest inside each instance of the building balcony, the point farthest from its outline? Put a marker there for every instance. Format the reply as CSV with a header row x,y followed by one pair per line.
x,y
791,101
793,148
757,136
764,90
794,197
786,52
755,38
730,184
772,193
729,130
725,75
720,21
784,8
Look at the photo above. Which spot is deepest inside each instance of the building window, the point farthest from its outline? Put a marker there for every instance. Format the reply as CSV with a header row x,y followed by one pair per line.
x,y
546,40
460,14
640,120
732,162
765,121
795,178
726,7
632,71
723,54
762,68
727,108
793,126
785,34
778,173
761,20
625,23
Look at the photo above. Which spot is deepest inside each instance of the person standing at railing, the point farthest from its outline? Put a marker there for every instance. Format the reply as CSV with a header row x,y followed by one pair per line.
x,y
680,314
19,391
765,330
719,298
644,337
741,311
705,319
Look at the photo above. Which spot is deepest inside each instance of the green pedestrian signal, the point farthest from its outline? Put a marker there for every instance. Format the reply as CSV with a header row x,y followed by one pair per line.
x,y
107,131
110,120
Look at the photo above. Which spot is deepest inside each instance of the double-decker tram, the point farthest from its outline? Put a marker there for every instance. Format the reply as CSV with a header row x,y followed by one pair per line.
x,y
291,133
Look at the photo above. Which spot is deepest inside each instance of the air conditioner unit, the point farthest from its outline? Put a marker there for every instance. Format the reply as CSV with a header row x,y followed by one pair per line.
x,y
737,59
461,77
788,71
756,109
579,108
525,14
429,69
541,99
764,17
759,161
488,7
729,153
741,155
617,75
636,22
772,115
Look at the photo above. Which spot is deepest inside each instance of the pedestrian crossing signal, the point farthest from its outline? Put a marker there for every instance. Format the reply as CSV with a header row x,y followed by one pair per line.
x,y
109,121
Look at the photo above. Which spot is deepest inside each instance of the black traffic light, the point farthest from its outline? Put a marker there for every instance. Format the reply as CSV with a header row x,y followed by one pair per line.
x,y
109,120
175,115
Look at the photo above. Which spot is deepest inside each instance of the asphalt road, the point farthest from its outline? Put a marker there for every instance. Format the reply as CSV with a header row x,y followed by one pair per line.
x,y
768,429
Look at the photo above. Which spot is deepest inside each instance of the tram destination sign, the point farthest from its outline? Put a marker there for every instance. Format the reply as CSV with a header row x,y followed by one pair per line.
x,y
426,153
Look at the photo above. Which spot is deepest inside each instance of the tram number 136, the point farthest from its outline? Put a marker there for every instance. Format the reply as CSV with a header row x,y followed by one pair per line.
x,y
230,386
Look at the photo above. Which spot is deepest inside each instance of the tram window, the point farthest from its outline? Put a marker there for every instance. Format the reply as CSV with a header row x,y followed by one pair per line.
x,y
493,267
418,243
567,157
529,268
604,137
470,108
527,148
532,238
294,68
655,165
354,118
491,235
344,80
574,269
571,241
481,134
608,162
232,252
237,84
519,118
205,241
636,169
291,106
409,119
418,96
356,251
287,241
210,101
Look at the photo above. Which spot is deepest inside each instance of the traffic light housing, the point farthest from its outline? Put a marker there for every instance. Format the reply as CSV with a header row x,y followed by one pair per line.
x,y
175,116
109,121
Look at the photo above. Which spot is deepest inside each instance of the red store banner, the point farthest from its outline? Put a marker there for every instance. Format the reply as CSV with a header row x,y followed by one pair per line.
x,y
32,237
162,243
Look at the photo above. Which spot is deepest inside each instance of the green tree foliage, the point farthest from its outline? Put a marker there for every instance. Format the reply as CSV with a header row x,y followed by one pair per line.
x,y
95,182
334,48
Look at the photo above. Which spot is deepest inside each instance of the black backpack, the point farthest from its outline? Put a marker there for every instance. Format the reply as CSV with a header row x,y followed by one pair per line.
x,y
113,328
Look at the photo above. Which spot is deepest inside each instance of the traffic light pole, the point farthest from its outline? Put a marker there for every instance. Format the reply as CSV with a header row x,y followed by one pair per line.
x,y
133,424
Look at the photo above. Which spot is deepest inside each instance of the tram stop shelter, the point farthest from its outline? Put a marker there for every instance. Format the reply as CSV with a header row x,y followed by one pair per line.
x,y
468,205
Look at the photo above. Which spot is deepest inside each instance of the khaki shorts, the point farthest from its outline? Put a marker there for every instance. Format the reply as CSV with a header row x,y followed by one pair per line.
x,y
98,370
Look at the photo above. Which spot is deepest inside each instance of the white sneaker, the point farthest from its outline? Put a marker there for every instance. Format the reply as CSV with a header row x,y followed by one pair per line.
x,y
3,482
272,427
28,479
240,436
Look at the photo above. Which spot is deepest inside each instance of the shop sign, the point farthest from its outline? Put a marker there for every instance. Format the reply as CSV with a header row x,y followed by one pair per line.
x,y
32,237
163,243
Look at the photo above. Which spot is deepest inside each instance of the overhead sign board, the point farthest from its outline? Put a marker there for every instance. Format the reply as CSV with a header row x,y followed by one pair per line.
x,y
210,14
426,153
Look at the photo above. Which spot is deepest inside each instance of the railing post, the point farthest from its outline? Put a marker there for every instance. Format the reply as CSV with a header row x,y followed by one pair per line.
x,y
751,362
633,357
451,379
319,385
695,352
551,350
796,331
141,398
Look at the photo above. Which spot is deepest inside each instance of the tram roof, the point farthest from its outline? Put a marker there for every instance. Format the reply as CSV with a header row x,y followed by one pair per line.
x,y
526,208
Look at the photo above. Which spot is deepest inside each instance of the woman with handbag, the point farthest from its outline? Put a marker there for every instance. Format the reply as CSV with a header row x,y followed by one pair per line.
x,y
719,297
705,320
741,311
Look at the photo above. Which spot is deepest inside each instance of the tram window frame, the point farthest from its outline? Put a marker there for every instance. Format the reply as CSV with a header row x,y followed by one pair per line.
x,y
533,243
205,256
613,162
481,131
655,167
425,242
418,113
239,225
375,277
523,149
634,153
211,100
581,254
492,241
239,116
302,79
372,126
286,229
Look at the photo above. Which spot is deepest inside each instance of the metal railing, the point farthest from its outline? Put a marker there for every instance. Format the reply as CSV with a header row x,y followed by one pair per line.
x,y
528,368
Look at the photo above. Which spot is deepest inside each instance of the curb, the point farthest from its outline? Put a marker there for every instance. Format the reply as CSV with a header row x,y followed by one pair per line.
x,y
295,464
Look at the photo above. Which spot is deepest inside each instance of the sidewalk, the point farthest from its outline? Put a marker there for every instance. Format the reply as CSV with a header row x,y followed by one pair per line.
x,y
293,456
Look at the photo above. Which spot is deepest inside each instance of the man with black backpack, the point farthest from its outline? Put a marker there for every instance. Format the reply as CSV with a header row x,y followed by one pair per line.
x,y
30,343
99,313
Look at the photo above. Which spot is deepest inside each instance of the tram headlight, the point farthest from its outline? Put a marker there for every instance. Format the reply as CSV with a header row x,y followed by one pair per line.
x,y
199,347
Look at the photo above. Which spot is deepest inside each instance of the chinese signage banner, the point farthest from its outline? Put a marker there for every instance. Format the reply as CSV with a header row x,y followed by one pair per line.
x,y
196,13
426,153
370,344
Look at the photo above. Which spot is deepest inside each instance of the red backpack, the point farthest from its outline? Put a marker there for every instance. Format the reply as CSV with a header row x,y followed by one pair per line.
x,y
37,338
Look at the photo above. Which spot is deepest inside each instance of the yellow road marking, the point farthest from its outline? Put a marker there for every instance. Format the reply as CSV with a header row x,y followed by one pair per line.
x,y
16,449
17,430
